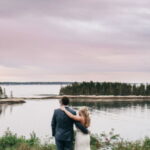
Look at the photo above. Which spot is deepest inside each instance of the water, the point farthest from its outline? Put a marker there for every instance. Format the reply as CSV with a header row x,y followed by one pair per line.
x,y
130,119
31,90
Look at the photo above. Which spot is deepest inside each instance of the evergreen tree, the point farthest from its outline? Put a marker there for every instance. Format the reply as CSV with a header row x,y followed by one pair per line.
x,y
1,92
147,92
134,90
105,88
142,89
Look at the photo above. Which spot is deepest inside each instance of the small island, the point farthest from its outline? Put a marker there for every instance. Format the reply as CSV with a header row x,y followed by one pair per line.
x,y
106,88
2,93
4,99
91,92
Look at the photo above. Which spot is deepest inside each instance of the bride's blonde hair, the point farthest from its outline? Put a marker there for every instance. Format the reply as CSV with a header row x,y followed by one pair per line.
x,y
85,113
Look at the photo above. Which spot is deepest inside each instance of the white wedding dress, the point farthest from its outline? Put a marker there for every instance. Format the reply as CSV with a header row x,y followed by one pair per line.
x,y
82,141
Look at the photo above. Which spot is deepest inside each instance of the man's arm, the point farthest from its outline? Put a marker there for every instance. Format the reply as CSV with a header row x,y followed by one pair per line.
x,y
80,126
53,124
71,115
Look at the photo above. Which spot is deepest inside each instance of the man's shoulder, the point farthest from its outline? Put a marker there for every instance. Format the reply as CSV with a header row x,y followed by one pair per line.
x,y
57,110
71,110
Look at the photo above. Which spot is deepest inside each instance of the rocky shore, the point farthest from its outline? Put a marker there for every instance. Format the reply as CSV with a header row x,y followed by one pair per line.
x,y
12,101
79,98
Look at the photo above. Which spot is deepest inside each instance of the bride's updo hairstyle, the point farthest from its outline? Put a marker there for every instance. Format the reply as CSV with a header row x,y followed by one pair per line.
x,y
85,113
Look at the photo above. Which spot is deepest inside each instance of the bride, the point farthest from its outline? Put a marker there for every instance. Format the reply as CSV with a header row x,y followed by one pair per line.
x,y
82,141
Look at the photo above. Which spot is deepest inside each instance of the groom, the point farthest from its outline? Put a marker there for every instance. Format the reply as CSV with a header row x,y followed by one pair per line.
x,y
62,127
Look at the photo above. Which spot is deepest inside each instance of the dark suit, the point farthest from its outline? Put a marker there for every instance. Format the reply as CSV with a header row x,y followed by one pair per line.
x,y
62,129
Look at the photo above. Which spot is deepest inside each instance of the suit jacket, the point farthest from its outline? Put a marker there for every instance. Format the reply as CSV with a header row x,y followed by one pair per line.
x,y
62,125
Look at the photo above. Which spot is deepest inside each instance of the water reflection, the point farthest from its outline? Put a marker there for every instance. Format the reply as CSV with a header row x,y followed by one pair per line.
x,y
3,108
7,107
0,110
129,119
113,104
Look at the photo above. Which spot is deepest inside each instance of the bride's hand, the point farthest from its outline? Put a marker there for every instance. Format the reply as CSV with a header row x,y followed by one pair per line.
x,y
62,108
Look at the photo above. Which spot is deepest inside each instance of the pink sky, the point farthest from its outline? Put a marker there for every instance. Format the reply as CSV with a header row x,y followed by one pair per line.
x,y
72,40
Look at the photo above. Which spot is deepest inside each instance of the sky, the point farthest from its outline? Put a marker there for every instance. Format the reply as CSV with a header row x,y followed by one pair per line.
x,y
75,40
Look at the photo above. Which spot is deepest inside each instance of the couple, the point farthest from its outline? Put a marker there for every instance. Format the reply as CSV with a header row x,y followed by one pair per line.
x,y
62,127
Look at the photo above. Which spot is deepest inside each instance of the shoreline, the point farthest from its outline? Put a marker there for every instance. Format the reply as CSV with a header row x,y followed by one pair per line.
x,y
79,98
12,101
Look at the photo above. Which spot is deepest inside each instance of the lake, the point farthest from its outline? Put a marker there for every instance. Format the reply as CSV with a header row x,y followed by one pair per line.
x,y
130,119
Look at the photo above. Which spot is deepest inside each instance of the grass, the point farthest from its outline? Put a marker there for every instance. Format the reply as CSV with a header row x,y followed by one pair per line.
x,y
103,141
11,141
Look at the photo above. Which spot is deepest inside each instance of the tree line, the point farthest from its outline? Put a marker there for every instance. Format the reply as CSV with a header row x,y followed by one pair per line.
x,y
2,93
105,88
33,83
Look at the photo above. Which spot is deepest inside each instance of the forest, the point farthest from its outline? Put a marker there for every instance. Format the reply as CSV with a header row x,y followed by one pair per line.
x,y
105,88
2,93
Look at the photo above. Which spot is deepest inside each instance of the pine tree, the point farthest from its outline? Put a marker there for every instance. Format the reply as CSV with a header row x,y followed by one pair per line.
x,y
147,92
1,92
105,88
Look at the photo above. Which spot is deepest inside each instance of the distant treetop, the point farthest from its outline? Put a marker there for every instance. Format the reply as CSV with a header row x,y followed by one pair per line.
x,y
32,83
105,88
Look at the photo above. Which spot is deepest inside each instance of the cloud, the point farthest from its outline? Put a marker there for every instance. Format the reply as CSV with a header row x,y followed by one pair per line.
x,y
32,73
74,38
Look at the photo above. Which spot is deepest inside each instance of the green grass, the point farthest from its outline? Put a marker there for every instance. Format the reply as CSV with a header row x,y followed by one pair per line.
x,y
103,141
11,141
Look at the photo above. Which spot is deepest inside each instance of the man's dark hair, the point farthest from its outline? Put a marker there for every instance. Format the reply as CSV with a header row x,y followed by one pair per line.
x,y
65,101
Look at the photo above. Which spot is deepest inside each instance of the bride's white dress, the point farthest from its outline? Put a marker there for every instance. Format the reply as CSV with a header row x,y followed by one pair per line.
x,y
82,141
